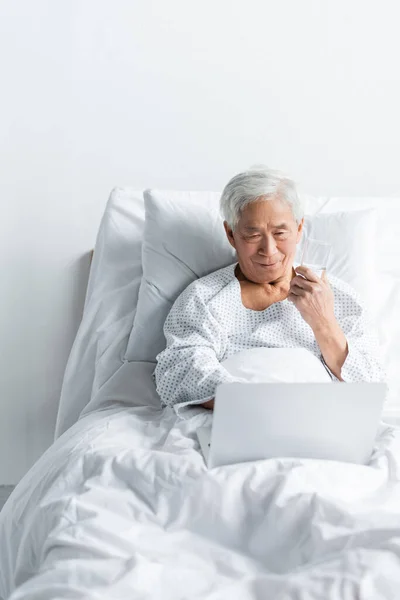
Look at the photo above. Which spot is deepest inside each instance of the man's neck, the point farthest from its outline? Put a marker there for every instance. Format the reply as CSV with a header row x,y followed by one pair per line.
x,y
280,286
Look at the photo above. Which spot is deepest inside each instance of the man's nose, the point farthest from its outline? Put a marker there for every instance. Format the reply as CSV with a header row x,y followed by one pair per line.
x,y
267,246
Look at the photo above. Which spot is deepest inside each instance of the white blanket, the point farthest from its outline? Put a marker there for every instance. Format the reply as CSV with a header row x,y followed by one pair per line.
x,y
122,506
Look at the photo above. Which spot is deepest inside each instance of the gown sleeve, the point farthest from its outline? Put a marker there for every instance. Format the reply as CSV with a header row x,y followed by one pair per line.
x,y
363,362
188,371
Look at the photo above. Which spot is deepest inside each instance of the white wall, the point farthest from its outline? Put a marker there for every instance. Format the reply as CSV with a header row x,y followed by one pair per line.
x,y
175,93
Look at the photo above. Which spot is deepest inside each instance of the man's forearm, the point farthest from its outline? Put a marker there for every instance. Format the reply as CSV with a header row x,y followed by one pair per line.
x,y
333,345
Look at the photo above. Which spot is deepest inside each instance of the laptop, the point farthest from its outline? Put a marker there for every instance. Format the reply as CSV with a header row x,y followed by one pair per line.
x,y
254,421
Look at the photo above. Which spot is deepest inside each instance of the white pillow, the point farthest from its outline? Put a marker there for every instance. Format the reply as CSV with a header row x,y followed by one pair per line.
x,y
386,298
184,239
352,236
277,365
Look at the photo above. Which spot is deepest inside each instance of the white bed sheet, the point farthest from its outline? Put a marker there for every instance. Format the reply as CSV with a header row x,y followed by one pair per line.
x,y
122,506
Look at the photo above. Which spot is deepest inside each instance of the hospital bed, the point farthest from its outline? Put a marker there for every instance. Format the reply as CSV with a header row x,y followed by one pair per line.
x,y
123,506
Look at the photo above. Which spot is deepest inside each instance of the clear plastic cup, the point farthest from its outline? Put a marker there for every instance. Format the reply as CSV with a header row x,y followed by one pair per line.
x,y
316,255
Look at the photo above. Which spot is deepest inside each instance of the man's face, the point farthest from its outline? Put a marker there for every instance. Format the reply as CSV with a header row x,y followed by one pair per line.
x,y
265,240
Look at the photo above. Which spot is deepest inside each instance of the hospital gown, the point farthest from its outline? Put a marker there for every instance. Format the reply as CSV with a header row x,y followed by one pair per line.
x,y
209,323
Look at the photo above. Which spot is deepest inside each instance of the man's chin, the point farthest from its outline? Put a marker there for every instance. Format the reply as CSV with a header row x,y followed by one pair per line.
x,y
270,268
259,273
269,274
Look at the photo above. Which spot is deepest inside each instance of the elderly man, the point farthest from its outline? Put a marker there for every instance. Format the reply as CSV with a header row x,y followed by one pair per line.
x,y
261,301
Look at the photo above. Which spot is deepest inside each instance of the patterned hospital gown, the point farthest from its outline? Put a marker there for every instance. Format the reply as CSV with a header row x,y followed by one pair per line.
x,y
208,323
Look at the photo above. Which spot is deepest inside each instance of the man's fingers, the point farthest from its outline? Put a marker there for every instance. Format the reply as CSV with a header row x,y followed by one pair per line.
x,y
303,283
307,273
297,290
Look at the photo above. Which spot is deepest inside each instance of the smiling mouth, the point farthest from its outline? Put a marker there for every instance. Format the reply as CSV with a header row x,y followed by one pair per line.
x,y
270,265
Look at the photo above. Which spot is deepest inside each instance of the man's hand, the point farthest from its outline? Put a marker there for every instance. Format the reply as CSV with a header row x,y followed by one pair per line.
x,y
313,298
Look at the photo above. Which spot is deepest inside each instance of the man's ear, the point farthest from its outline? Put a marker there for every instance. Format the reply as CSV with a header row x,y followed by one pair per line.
x,y
300,230
229,235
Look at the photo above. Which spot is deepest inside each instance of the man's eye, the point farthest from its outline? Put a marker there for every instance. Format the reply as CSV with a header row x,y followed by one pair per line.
x,y
280,233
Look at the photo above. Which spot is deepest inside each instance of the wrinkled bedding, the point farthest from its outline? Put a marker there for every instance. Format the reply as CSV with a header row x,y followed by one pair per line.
x,y
123,506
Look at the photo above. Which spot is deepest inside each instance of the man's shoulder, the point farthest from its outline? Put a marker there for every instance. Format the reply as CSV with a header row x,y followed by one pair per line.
x,y
206,287
341,286
347,299
217,278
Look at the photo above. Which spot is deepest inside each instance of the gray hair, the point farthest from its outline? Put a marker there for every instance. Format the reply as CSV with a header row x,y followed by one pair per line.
x,y
255,184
